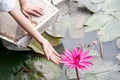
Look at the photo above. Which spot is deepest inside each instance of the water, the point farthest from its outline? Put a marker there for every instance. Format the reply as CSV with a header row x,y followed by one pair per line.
x,y
110,50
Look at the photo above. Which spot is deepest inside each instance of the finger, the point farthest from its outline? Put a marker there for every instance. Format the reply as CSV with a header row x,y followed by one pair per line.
x,y
26,14
54,60
56,53
58,59
34,13
38,10
46,54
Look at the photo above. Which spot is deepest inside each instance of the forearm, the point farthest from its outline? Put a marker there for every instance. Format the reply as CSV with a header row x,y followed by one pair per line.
x,y
22,2
26,24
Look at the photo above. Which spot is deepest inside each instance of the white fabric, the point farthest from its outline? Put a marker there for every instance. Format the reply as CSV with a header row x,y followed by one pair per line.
x,y
7,5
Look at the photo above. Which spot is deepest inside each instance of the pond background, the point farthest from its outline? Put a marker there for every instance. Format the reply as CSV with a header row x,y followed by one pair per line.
x,y
68,41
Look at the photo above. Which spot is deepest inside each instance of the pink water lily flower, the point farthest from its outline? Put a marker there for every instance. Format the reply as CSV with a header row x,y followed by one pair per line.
x,y
77,59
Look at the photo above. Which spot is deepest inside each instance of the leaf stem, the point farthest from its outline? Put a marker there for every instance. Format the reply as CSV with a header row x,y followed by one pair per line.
x,y
101,49
78,78
52,2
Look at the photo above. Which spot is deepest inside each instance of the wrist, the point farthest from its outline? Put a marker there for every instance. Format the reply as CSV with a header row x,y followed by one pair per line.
x,y
22,2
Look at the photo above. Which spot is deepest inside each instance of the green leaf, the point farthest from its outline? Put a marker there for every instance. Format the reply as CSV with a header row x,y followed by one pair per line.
x,y
43,69
11,62
111,5
91,6
38,48
53,40
20,76
115,14
96,22
90,76
110,31
6,75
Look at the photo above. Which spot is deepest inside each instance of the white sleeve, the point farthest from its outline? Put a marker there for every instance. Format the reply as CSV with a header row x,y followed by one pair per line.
x,y
7,5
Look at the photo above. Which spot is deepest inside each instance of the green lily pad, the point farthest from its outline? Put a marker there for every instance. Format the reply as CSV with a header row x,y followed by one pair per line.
x,y
42,69
115,14
38,48
91,6
96,22
20,76
111,5
90,76
107,34
102,70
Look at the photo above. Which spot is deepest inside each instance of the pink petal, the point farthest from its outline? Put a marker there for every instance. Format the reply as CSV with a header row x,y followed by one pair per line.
x,y
84,54
68,55
73,55
80,51
68,52
65,57
70,65
67,61
75,51
80,67
87,58
85,63
84,66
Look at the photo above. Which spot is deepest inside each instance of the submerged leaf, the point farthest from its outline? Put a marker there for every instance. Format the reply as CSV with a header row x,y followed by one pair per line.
x,y
111,5
96,22
107,34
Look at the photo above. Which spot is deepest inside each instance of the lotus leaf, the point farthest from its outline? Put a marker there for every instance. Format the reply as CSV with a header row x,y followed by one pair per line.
x,y
111,5
107,34
43,69
38,48
102,70
91,6
115,14
11,62
96,22
20,76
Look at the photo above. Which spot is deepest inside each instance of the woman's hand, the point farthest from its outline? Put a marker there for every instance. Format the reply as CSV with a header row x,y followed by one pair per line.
x,y
50,53
28,9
